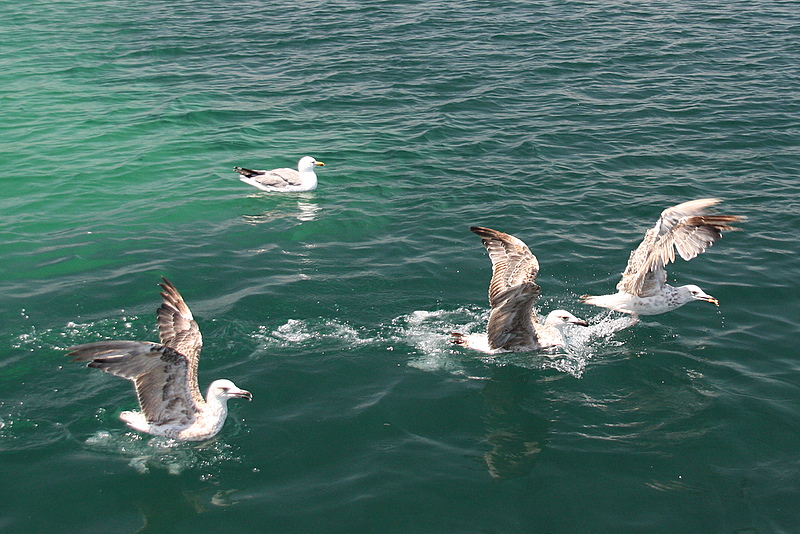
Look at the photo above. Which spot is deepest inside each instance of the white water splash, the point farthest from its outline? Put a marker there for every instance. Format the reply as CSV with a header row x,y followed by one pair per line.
x,y
146,452
429,333
332,333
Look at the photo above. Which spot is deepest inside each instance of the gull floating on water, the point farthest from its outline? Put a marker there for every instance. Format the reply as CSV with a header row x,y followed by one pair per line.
x,y
643,290
165,375
302,179
513,323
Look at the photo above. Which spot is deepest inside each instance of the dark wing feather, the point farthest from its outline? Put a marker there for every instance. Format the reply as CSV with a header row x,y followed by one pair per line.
x,y
159,374
178,330
512,261
512,290
511,322
247,173
686,228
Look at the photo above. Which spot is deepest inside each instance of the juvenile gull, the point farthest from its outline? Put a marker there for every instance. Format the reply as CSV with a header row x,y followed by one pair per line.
x,y
643,290
513,323
165,375
302,179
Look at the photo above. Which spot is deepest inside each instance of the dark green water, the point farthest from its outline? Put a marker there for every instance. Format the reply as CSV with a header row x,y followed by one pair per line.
x,y
568,124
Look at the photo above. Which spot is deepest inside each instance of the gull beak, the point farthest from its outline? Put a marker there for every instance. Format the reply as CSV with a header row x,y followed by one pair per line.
x,y
712,300
243,394
579,322
319,163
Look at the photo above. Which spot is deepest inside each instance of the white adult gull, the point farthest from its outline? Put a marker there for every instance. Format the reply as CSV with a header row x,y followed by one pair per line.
x,y
688,228
289,180
513,322
165,375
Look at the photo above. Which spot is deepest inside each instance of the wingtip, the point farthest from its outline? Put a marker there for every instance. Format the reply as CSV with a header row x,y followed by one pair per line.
x,y
167,287
80,353
735,219
483,231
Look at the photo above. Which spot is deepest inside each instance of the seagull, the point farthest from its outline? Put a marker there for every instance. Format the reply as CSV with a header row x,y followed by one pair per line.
x,y
165,375
513,323
643,290
302,179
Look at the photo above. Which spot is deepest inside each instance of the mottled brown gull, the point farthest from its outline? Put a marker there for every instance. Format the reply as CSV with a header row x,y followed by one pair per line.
x,y
688,228
289,180
513,322
165,375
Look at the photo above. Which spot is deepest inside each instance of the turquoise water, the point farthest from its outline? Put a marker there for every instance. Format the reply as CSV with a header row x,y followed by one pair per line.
x,y
568,124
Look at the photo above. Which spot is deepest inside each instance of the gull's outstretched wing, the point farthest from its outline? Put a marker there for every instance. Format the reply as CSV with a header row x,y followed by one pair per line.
x,y
512,291
511,321
159,374
687,228
512,261
178,330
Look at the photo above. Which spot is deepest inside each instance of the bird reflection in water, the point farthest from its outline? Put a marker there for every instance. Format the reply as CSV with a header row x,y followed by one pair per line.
x,y
515,435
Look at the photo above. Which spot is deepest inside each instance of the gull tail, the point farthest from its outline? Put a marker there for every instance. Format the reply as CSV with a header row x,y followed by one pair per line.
x,y
603,301
249,173
458,338
589,299
616,302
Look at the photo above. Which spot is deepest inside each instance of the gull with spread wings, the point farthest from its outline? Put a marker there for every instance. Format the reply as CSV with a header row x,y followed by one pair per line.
x,y
513,323
687,228
165,375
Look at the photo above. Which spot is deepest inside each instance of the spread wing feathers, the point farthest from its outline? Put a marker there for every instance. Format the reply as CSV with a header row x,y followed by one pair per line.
x,y
686,228
273,178
178,330
512,263
511,322
158,372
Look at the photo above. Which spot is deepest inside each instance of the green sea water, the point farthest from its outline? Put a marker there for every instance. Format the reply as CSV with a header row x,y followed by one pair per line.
x,y
568,124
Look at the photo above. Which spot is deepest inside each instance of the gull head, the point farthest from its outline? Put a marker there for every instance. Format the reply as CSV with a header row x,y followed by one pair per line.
x,y
692,292
307,163
559,318
225,389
